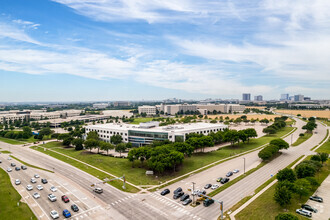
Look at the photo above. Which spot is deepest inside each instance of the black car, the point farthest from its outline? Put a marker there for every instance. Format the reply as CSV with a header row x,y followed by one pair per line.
x,y
17,168
207,186
23,167
74,208
316,198
44,181
229,174
13,165
309,208
208,202
184,197
178,195
186,202
224,180
177,190
202,193
164,192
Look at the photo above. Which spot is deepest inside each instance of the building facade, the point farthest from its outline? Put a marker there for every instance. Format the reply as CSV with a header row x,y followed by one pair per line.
x,y
149,110
246,97
258,98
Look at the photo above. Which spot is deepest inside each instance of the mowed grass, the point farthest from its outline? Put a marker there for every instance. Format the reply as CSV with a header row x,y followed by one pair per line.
x,y
5,152
325,147
9,198
327,122
140,120
136,175
265,207
302,139
11,141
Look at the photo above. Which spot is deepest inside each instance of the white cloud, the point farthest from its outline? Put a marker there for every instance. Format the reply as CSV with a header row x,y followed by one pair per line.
x,y
9,31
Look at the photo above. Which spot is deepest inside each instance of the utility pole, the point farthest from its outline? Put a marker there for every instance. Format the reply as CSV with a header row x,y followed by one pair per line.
x,y
291,138
193,193
221,209
244,164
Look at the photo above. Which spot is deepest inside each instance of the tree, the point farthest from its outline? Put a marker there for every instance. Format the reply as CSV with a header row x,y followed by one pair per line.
x,y
310,126
106,146
286,174
282,144
231,136
120,147
27,132
302,187
92,135
304,170
45,131
91,143
282,195
184,148
116,139
78,143
242,135
268,152
251,133
269,130
67,141
286,216
316,158
324,157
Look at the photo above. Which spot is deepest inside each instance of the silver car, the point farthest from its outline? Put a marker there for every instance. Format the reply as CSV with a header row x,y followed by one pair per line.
x,y
9,169
40,187
29,187
17,182
36,195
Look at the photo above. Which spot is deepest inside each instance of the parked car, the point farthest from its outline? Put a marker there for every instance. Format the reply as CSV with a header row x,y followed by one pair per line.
x,y
54,214
235,171
177,190
40,187
66,213
65,199
184,197
229,174
53,189
309,208
207,186
219,179
9,158
23,167
208,202
196,192
215,186
13,164
17,182
29,187
316,198
44,181
304,212
98,190
202,193
33,180
178,195
17,168
36,195
36,176
186,202
52,197
164,192
0,161
74,208
9,169
224,180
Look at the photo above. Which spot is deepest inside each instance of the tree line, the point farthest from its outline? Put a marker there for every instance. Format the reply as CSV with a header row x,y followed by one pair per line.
x,y
279,122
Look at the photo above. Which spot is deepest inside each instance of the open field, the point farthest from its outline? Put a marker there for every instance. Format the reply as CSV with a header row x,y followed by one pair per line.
x,y
140,120
136,175
9,199
265,207
302,139
307,113
249,116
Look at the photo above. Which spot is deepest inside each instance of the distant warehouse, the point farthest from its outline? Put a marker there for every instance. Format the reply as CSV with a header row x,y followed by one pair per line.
x,y
146,133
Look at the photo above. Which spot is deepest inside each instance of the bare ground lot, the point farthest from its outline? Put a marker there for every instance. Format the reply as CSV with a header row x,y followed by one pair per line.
x,y
307,113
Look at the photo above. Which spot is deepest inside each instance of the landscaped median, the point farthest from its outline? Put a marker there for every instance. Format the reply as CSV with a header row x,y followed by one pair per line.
x,y
302,139
11,206
30,165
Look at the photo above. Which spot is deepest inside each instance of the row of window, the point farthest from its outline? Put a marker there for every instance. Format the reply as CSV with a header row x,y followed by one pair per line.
x,y
107,132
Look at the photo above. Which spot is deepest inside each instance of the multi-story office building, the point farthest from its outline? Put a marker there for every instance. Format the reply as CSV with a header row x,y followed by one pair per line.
x,y
149,110
298,98
284,97
146,133
246,97
258,98
100,105
121,104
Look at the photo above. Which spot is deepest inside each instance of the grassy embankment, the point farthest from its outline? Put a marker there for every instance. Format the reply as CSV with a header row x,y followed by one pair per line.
x,y
302,139
22,141
30,165
5,152
120,166
11,141
9,198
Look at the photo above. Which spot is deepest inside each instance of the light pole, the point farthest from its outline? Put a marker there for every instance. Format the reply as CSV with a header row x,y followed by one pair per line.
x,y
291,138
193,193
244,164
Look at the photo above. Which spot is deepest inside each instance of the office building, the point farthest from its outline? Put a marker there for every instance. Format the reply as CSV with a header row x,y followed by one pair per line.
x,y
258,98
246,97
100,105
284,97
121,104
298,98
149,110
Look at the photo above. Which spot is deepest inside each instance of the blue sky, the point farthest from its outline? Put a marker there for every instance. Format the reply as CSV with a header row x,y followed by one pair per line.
x,y
92,50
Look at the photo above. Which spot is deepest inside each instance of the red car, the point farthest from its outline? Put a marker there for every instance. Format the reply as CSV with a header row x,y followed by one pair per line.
x,y
65,199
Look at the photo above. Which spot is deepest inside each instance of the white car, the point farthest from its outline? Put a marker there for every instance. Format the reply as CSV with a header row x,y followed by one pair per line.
x,y
36,195
9,169
196,192
17,182
54,214
51,197
33,180
235,171
29,187
53,189
40,187
36,176
9,158
215,186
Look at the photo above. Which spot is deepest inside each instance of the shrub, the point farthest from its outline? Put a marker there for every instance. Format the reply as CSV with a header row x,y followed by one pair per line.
x,y
286,216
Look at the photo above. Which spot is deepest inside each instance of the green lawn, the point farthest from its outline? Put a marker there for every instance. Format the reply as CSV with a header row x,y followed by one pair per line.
x,y
325,147
30,165
302,139
136,175
9,198
5,152
264,207
327,122
140,120
11,141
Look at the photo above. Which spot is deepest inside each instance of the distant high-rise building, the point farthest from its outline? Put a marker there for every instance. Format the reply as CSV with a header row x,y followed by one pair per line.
x,y
298,98
284,97
258,98
307,99
246,96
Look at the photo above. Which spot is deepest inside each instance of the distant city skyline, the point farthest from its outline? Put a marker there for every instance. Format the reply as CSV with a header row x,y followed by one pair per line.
x,y
82,50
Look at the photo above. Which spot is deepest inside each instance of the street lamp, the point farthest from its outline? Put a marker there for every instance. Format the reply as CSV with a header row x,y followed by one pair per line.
x,y
244,164
291,138
193,193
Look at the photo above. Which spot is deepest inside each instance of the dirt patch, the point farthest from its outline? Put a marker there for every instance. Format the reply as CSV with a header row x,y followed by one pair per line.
x,y
307,113
249,116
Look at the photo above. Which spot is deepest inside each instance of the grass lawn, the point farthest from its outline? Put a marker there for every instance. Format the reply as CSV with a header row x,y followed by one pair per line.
x,y
327,122
302,139
9,198
5,152
325,147
139,120
30,165
120,166
11,141
265,207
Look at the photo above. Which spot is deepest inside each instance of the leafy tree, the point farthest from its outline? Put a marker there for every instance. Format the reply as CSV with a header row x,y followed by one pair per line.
x,y
324,156
304,170
286,174
67,141
92,135
231,136
78,143
286,216
251,133
120,147
63,136
282,144
268,152
106,146
302,187
91,143
269,130
45,131
312,181
27,132
310,126
184,148
116,139
242,135
282,195
316,158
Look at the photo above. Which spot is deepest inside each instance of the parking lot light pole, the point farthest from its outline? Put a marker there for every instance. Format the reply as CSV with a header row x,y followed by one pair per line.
x,y
244,164
193,193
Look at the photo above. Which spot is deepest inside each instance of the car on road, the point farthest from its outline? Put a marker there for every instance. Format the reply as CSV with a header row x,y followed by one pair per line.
x,y
9,158
54,214
196,192
17,182
229,174
29,187
215,186
202,193
186,202
316,198
52,197
65,199
179,189
178,195
13,164
44,181
207,202
17,168
308,208
40,187
164,192
53,189
36,176
304,212
23,167
224,180
66,213
207,186
98,190
184,197
33,180
219,179
36,195
235,171
9,169
74,208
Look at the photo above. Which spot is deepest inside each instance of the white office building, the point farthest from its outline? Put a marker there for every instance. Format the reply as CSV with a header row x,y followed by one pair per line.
x,y
149,110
